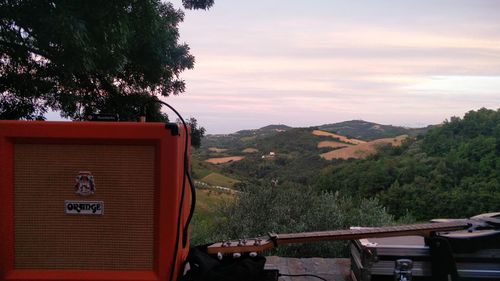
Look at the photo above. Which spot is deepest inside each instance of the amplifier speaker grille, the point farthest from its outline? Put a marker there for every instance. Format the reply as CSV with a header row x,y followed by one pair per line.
x,y
45,237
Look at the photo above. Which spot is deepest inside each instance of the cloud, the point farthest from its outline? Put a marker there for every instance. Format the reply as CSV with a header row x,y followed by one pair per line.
x,y
314,63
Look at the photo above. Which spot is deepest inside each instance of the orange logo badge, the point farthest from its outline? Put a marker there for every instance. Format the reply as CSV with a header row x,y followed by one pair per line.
x,y
85,184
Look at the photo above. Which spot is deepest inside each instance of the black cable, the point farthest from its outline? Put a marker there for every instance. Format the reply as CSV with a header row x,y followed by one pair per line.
x,y
191,210
301,275
187,175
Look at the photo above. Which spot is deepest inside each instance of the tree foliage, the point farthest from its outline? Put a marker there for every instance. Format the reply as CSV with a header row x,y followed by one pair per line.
x,y
197,132
198,4
81,57
452,171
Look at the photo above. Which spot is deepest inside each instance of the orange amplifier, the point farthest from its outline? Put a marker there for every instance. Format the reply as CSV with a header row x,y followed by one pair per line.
x,y
91,201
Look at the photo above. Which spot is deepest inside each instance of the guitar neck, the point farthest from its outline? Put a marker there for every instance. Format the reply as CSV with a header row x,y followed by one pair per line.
x,y
264,243
373,232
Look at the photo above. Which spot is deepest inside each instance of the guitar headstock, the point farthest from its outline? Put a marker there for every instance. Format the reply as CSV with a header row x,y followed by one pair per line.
x,y
241,246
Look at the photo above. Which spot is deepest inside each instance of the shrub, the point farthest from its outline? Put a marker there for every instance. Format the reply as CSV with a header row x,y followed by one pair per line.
x,y
293,209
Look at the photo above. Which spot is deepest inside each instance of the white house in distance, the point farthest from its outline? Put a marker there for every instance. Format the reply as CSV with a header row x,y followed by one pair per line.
x,y
270,155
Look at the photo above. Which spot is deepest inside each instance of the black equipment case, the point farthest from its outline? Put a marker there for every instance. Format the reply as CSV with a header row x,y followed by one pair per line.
x,y
466,256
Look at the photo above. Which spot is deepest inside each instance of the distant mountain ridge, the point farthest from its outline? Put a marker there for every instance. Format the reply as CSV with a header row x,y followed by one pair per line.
x,y
265,130
357,129
364,130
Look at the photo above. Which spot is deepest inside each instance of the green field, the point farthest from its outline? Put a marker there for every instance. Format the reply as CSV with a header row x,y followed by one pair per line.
x,y
216,179
200,169
202,225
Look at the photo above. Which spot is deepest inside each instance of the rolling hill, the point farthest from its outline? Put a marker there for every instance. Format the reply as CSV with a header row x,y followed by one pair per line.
x,y
365,130
362,150
279,153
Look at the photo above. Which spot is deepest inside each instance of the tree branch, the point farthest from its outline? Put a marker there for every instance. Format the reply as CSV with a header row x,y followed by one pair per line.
x,y
27,48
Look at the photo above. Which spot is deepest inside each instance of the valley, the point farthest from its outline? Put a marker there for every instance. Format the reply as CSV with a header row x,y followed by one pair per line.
x,y
309,179
270,154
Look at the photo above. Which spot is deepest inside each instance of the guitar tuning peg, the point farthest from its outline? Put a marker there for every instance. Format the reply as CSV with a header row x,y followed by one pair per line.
x,y
242,242
219,256
236,255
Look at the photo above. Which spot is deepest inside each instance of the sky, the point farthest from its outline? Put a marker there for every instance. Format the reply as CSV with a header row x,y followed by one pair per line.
x,y
306,63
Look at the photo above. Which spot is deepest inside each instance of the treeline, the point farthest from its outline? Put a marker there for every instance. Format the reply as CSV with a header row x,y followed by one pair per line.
x,y
452,171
